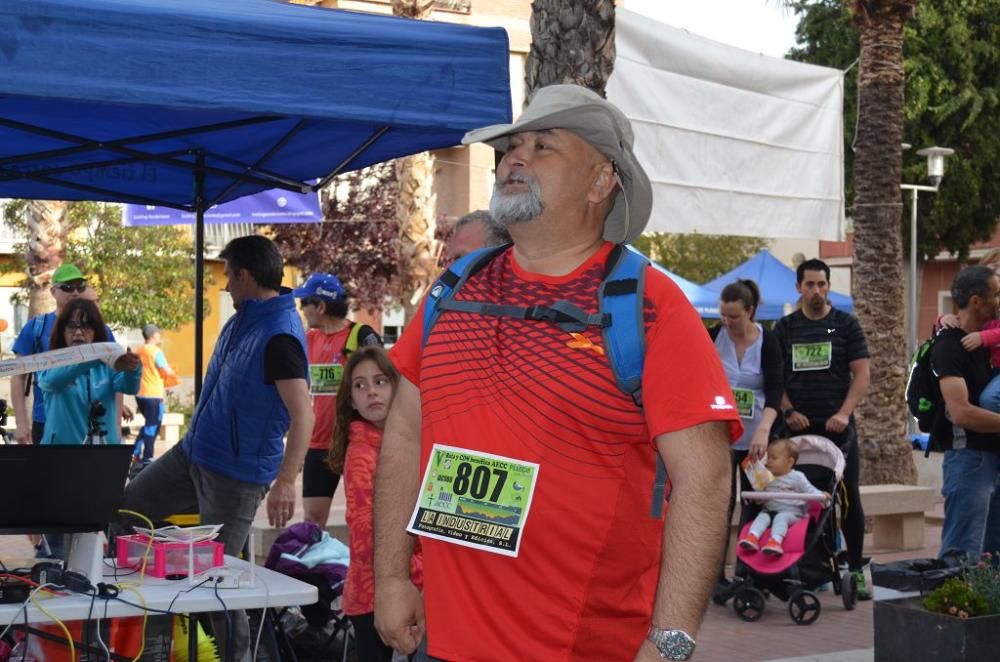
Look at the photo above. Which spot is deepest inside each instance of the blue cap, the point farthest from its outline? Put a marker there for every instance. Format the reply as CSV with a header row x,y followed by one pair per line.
x,y
320,285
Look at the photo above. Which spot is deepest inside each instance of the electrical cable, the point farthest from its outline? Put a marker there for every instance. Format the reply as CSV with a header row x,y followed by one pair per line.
x,y
187,590
229,622
149,543
24,607
100,640
62,626
145,620
263,615
90,615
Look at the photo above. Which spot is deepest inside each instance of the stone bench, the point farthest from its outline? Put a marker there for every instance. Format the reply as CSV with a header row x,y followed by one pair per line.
x,y
897,515
169,430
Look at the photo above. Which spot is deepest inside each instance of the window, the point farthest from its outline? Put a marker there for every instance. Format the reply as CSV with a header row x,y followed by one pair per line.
x,y
945,303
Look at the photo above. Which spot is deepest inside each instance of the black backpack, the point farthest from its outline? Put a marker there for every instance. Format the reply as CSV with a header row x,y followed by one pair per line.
x,y
924,399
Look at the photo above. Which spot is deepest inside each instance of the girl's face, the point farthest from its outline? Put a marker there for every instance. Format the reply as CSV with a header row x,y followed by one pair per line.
x,y
371,392
78,332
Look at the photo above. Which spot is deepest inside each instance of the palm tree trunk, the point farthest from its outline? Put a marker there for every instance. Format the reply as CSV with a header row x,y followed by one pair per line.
x,y
45,250
416,206
571,42
878,255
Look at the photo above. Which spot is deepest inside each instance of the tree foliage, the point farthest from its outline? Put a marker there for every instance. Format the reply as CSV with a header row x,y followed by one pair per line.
x,y
358,240
142,275
699,257
951,60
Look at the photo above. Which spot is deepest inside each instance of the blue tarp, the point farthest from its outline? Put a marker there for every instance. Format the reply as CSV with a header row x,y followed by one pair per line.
x,y
286,92
777,286
190,103
704,299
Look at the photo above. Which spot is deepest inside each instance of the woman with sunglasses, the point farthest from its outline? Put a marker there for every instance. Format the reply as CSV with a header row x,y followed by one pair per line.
x,y
68,283
80,399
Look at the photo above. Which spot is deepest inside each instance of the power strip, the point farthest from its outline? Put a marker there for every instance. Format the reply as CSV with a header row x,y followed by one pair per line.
x,y
225,577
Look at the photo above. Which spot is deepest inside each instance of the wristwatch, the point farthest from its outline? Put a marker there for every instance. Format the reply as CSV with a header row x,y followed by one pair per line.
x,y
788,412
672,644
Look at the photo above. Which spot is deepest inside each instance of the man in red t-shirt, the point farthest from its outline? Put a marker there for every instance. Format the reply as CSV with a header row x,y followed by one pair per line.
x,y
532,472
329,341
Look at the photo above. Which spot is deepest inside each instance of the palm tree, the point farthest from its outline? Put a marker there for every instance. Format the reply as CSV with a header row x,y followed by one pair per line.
x,y
416,204
878,254
571,42
47,227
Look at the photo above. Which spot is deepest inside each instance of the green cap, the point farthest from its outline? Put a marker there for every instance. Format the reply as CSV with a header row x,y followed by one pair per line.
x,y
67,273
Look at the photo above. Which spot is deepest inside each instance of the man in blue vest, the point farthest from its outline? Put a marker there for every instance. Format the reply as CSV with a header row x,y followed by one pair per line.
x,y
256,389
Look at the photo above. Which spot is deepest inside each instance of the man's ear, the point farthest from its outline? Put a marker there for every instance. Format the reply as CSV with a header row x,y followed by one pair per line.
x,y
604,184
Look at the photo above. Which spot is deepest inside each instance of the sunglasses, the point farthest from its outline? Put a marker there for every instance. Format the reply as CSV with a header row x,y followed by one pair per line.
x,y
310,301
80,289
73,327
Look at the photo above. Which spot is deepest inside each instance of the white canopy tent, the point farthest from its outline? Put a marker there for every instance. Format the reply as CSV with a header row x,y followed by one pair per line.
x,y
734,142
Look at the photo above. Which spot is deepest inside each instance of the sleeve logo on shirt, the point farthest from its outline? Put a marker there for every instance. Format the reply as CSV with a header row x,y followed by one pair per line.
x,y
720,404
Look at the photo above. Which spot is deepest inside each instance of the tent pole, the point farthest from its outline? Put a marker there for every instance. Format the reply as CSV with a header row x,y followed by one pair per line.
x,y
199,272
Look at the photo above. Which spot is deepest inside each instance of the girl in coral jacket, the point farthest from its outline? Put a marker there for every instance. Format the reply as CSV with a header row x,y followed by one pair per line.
x,y
363,400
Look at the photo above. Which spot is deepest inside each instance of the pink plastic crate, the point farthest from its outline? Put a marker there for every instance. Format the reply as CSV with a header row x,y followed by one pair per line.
x,y
167,558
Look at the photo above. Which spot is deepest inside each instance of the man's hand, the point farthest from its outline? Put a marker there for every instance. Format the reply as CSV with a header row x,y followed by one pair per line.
x,y
22,433
971,341
837,423
797,421
281,502
127,414
399,614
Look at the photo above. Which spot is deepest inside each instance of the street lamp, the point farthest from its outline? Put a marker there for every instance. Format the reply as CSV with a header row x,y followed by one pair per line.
x,y
935,172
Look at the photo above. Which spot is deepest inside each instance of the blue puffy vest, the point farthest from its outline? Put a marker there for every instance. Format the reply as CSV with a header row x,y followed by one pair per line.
x,y
239,425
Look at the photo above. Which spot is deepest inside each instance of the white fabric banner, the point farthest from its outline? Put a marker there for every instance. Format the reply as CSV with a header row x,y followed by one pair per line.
x,y
734,142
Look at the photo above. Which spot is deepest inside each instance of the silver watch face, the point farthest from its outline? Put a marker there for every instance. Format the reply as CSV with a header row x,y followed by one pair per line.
x,y
673,644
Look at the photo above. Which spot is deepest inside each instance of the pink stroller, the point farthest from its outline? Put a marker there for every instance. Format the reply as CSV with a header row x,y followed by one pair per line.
x,y
810,547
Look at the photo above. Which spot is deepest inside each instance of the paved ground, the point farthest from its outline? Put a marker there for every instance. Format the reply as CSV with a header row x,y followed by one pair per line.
x,y
837,636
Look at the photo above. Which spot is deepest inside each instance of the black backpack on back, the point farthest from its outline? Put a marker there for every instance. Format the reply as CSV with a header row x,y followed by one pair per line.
x,y
924,399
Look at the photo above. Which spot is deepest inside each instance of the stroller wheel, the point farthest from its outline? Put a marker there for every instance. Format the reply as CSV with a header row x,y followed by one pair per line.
x,y
804,607
848,590
748,603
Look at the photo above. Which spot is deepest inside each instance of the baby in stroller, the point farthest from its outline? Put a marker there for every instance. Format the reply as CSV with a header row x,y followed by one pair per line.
x,y
780,512
803,557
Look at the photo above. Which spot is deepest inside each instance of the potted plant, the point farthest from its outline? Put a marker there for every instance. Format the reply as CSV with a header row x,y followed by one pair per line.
x,y
957,622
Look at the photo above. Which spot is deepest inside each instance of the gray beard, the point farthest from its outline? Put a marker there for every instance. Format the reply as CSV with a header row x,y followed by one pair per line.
x,y
507,209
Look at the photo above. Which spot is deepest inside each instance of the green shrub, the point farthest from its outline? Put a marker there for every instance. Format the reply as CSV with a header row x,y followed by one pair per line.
x,y
956,597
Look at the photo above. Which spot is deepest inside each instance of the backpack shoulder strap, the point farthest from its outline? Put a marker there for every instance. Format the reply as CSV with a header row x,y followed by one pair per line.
x,y
352,339
452,280
620,296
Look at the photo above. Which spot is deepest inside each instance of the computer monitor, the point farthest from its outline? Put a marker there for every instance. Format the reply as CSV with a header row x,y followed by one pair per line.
x,y
61,488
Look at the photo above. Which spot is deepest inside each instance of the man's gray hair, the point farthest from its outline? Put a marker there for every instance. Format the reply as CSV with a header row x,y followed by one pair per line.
x,y
970,282
495,235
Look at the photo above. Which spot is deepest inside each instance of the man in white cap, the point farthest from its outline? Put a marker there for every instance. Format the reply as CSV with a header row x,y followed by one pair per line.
x,y
536,470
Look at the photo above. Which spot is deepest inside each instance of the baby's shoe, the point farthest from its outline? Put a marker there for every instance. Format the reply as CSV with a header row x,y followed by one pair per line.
x,y
773,548
750,543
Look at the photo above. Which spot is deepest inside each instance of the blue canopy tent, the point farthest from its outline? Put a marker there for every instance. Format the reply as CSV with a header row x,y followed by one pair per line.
x,y
187,103
777,286
704,299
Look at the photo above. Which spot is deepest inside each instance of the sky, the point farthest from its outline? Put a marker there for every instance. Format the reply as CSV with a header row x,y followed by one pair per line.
x,y
761,26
